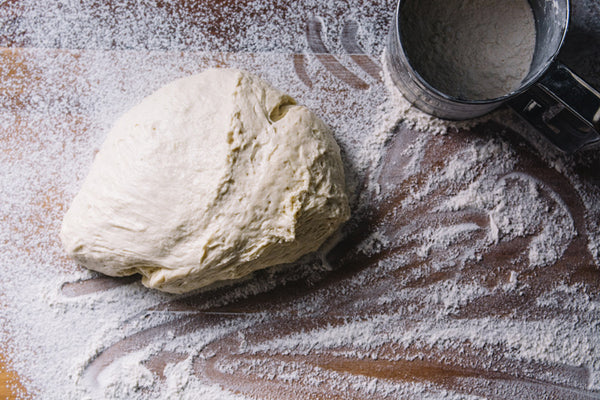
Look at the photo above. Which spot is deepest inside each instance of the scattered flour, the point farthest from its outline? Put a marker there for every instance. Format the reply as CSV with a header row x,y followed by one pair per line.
x,y
126,377
447,307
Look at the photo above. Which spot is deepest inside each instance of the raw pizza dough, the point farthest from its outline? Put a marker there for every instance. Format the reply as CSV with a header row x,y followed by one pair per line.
x,y
209,178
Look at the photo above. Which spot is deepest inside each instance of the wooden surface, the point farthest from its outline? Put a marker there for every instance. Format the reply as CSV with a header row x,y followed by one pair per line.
x,y
5,391
9,382
440,367
5,379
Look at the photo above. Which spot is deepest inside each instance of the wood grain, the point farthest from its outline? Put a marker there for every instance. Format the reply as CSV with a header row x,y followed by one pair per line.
x,y
10,385
5,379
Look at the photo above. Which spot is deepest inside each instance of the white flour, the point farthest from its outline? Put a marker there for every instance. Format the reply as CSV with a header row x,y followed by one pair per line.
x,y
437,297
470,49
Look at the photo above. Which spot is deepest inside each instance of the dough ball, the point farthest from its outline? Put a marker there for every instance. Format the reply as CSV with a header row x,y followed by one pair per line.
x,y
211,177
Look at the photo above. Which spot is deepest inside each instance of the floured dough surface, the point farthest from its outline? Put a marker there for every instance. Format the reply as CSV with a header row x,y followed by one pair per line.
x,y
209,178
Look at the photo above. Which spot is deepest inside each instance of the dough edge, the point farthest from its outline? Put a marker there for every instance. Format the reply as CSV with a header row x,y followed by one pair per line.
x,y
313,221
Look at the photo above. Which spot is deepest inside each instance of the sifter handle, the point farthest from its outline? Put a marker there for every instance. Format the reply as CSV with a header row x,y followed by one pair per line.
x,y
563,107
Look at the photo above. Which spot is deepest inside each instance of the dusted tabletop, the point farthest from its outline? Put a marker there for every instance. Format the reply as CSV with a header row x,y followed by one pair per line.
x,y
470,267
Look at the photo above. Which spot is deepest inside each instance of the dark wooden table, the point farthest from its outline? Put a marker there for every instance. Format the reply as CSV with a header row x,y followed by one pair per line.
x,y
306,38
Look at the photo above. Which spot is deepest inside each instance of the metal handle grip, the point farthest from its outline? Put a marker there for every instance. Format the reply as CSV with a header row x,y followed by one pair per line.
x,y
563,107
